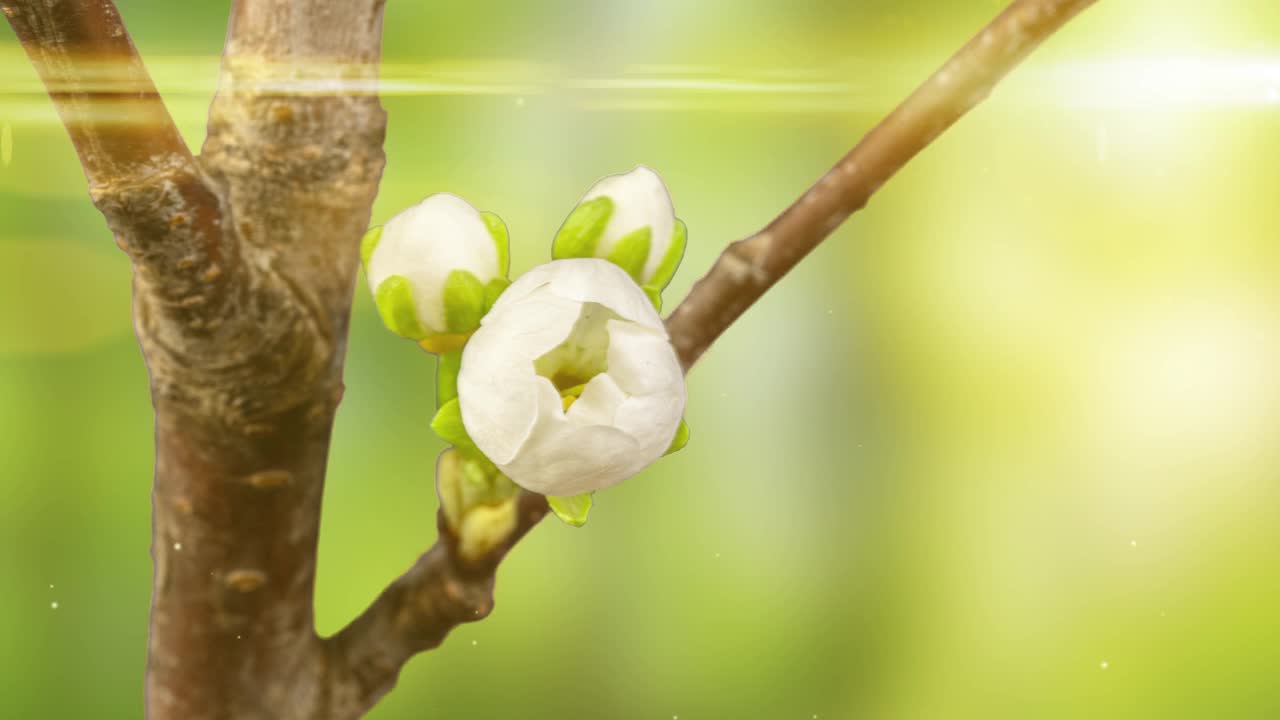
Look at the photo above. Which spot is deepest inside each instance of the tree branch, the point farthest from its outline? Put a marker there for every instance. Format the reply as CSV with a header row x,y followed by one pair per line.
x,y
749,267
141,175
440,592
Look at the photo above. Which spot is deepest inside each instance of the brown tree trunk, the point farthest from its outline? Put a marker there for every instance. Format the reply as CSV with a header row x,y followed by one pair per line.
x,y
243,433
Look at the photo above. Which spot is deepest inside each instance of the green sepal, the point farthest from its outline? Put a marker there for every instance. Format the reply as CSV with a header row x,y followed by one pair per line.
x,y
447,367
394,298
655,296
464,296
571,510
493,291
632,252
501,240
581,231
448,425
671,258
367,245
681,439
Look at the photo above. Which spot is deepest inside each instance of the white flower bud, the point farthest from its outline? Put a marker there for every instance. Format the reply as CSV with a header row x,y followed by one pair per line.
x,y
570,326
431,264
627,219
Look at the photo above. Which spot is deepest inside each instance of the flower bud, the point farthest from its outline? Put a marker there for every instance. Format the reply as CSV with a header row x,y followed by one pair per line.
x,y
571,384
435,268
628,220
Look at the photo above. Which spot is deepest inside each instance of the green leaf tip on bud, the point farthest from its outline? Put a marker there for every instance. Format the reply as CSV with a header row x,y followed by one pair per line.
x,y
632,251
501,240
493,291
654,295
464,302
671,258
448,425
394,298
572,511
681,439
367,245
581,231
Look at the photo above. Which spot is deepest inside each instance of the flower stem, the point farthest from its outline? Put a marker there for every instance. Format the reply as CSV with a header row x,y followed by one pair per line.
x,y
447,376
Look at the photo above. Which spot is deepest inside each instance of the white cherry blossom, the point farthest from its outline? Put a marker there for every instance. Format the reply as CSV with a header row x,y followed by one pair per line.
x,y
570,326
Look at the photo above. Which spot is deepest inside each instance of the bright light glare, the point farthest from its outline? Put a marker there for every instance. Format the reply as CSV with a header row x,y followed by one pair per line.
x,y
1221,81
1194,383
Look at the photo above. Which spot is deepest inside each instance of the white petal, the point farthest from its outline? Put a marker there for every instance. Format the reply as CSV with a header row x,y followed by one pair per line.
x,y
651,421
640,198
425,243
497,391
646,367
586,280
561,458
599,402
642,361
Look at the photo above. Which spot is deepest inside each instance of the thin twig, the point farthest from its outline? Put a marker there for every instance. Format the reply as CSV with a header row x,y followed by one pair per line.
x,y
749,267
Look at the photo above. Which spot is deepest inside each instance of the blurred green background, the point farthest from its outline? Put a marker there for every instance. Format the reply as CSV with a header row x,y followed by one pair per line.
x,y
1004,446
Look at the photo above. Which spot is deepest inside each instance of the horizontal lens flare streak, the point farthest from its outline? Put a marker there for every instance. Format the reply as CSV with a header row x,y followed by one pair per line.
x,y
1140,82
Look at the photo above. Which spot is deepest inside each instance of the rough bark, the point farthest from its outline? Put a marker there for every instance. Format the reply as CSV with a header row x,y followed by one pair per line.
x,y
244,261
749,267
243,432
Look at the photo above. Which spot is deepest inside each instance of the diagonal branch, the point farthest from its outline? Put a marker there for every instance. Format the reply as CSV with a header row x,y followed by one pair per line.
x,y
749,267
416,612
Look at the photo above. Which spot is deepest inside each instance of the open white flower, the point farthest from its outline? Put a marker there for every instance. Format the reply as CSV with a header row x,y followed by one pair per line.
x,y
430,266
629,220
571,328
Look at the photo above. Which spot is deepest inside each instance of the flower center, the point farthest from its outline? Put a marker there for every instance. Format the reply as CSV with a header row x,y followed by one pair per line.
x,y
583,354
